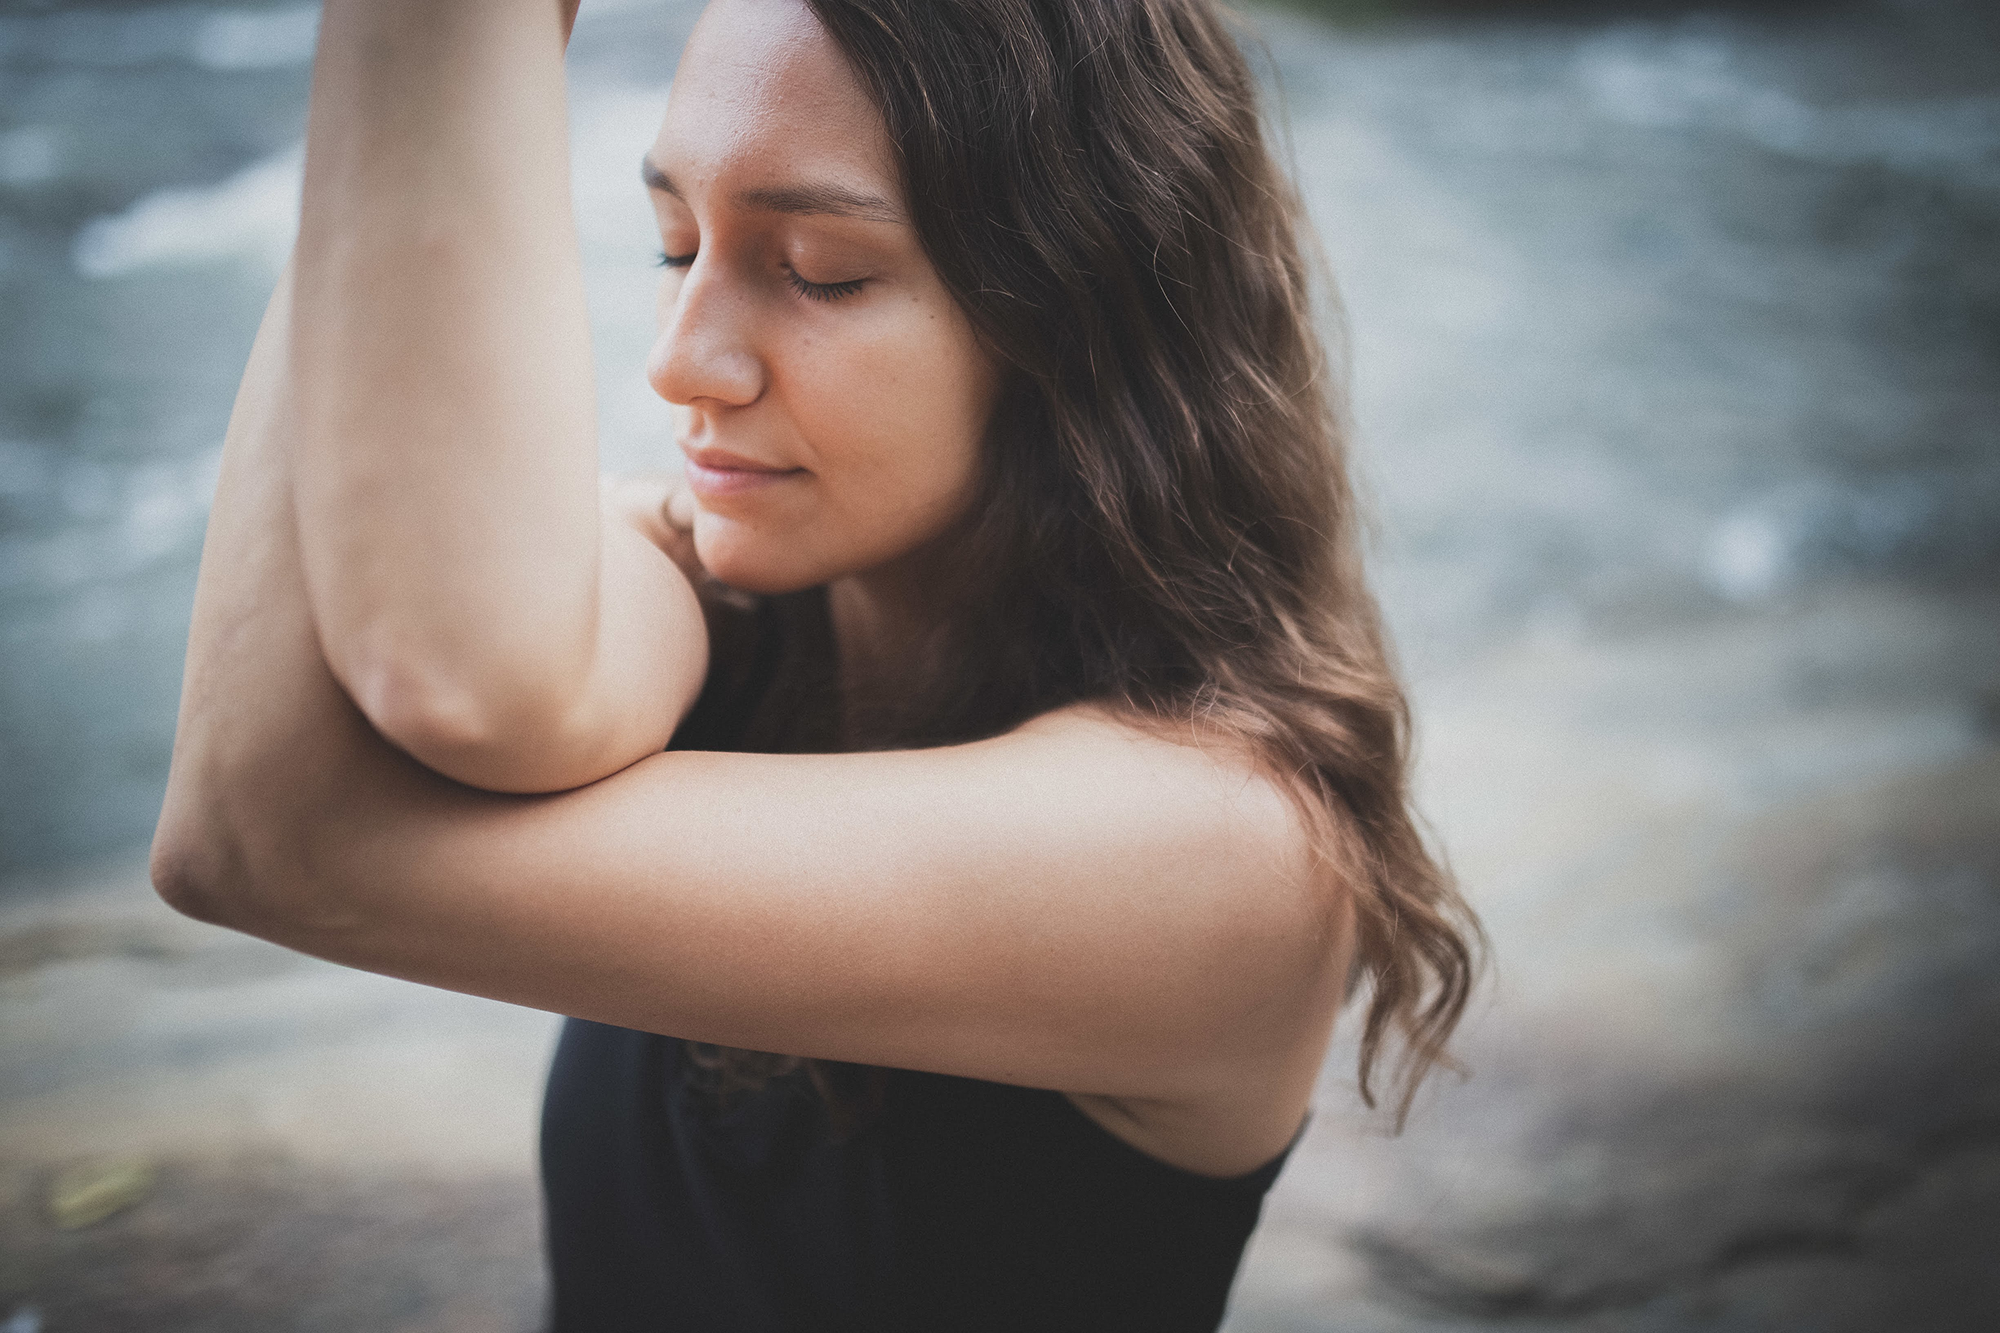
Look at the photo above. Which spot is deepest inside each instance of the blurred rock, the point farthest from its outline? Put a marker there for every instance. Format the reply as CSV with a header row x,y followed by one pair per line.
x,y
1853,1068
254,1244
308,1147
1737,1067
88,1192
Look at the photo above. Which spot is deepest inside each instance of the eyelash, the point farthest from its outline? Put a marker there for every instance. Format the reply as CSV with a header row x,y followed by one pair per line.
x,y
821,291
811,291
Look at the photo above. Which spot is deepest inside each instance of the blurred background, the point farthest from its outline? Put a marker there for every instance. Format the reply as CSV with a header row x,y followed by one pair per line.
x,y
1676,343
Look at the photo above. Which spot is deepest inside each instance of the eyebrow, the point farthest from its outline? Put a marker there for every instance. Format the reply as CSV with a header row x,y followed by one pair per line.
x,y
802,199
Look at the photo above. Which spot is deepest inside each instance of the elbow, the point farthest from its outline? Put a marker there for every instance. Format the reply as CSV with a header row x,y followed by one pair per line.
x,y
227,857
430,714
216,849
185,881
502,737
194,865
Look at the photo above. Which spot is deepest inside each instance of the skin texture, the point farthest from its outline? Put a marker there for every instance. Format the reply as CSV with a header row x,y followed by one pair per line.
x,y
467,595
1079,904
869,385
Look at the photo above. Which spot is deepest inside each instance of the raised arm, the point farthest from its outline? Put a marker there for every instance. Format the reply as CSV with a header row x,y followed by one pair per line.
x,y
1078,904
437,407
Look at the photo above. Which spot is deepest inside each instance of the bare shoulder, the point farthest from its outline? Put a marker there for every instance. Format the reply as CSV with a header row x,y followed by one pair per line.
x,y
1277,930
1185,832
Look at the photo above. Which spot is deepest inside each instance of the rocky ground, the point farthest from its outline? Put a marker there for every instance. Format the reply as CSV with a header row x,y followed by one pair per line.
x,y
301,1146
1736,1070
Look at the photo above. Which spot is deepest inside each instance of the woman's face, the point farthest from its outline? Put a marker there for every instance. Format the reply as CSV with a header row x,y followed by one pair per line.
x,y
835,393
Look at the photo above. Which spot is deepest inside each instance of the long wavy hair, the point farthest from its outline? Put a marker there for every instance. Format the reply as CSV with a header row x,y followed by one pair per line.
x,y
1166,522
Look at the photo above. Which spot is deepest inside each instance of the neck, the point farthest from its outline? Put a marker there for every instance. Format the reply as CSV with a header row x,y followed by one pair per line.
x,y
885,622
877,625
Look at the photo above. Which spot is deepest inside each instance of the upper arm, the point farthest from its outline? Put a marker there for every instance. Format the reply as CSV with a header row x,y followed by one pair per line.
x,y
1073,905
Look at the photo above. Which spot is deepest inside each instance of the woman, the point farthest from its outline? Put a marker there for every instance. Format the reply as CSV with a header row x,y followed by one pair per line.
x,y
996,724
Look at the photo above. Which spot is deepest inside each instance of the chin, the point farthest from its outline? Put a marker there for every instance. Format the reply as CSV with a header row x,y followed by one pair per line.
x,y
754,562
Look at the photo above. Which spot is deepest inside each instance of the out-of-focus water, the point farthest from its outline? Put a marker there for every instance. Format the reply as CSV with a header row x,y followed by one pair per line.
x,y
149,165
1653,321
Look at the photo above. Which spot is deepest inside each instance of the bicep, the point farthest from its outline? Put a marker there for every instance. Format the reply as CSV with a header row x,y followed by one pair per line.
x,y
1065,907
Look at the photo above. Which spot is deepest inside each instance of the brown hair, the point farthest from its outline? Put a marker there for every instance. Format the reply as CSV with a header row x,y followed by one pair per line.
x,y
1166,521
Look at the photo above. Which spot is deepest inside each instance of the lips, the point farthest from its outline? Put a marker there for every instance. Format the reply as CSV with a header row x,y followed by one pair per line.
x,y
715,473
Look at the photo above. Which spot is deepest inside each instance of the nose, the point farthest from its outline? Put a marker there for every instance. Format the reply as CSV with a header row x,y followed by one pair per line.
x,y
705,349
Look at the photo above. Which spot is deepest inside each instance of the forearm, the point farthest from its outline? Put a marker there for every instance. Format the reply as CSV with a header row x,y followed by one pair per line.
x,y
464,590
261,718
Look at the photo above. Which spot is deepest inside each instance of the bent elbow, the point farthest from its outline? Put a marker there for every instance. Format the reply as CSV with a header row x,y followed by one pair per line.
x,y
424,712
191,870
500,736
227,860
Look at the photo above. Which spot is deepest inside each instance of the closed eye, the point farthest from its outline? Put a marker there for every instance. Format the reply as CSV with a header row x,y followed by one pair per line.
x,y
812,291
821,291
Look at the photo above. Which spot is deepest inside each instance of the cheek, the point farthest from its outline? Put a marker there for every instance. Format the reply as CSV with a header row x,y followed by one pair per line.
x,y
895,421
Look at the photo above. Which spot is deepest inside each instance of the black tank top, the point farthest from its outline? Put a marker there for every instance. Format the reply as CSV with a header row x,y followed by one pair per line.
x,y
957,1206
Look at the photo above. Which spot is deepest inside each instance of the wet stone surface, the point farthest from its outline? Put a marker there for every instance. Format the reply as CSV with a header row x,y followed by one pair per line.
x,y
200,1131
1735,1070
251,1246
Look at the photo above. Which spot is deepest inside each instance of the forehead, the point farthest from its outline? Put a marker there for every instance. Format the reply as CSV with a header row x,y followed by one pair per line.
x,y
763,96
